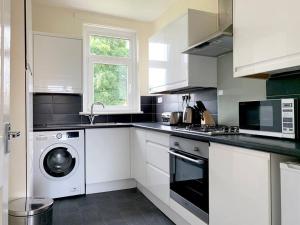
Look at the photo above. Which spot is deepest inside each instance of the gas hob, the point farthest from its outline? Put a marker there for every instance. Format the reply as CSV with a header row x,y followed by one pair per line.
x,y
209,130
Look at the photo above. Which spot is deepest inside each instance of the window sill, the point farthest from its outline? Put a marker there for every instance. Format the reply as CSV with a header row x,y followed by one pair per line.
x,y
111,113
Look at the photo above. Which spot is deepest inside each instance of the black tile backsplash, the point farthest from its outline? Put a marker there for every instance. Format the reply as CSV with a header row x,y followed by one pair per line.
x,y
147,100
126,118
174,102
66,99
42,98
285,85
52,109
136,118
67,108
56,109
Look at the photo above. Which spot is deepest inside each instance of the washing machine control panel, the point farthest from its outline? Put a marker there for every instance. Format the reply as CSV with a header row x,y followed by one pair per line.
x,y
66,135
73,134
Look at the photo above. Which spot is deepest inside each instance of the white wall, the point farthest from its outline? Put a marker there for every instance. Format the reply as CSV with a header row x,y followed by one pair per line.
x,y
235,90
70,22
17,101
180,8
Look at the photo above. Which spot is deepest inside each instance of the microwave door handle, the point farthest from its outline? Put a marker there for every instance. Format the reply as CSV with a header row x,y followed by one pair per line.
x,y
199,161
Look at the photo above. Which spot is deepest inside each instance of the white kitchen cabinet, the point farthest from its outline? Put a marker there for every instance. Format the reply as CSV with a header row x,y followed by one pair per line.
x,y
158,156
240,186
158,138
150,162
290,193
57,64
266,36
158,182
169,68
157,159
157,147
138,162
107,155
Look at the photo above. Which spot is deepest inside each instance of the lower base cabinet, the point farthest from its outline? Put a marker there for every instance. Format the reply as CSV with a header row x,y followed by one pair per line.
x,y
150,162
158,182
244,185
107,158
150,167
240,186
138,155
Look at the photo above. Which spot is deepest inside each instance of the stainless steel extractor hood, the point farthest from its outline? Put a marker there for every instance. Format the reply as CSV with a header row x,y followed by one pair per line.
x,y
220,42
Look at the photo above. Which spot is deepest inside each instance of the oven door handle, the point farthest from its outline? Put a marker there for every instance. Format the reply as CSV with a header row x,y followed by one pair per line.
x,y
198,161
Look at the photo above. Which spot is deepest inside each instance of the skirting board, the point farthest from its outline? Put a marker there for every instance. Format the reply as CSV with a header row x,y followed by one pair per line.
x,y
110,186
177,219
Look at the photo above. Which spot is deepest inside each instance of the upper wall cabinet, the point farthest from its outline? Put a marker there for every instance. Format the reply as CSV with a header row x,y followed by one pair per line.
x,y
169,68
266,36
57,64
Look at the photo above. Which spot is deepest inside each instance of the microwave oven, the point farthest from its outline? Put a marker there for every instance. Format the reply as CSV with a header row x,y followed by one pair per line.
x,y
273,118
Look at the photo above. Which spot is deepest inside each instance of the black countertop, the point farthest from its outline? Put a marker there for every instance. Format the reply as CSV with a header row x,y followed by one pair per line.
x,y
79,126
272,145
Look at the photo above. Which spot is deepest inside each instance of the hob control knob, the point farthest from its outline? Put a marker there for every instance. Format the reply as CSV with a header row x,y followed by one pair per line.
x,y
196,149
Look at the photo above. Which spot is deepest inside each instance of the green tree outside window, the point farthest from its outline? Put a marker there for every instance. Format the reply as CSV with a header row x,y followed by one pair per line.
x,y
110,81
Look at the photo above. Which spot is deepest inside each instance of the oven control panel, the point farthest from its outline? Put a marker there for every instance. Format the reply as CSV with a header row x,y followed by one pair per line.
x,y
198,148
288,116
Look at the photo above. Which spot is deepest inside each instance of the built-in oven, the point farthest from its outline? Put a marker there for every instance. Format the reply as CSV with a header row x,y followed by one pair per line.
x,y
275,118
189,175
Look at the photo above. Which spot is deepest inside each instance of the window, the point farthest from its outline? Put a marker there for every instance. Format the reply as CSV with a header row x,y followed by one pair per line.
x,y
110,70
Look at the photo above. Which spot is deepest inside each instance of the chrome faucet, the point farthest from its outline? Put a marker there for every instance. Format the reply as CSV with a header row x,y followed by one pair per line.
x,y
92,115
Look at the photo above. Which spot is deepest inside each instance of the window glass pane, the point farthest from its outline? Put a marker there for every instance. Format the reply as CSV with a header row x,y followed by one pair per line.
x,y
110,84
109,46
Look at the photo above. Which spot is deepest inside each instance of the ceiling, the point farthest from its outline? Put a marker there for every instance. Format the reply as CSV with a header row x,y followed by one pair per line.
x,y
144,10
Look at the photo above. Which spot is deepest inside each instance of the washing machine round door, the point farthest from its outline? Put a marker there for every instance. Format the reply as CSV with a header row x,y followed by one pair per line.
x,y
59,161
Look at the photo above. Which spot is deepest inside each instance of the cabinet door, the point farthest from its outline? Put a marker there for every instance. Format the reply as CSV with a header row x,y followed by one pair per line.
x,y
167,66
266,37
57,64
158,182
107,155
158,156
177,39
239,188
138,162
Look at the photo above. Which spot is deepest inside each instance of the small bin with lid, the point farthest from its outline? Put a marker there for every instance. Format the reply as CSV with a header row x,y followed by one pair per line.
x,y
33,211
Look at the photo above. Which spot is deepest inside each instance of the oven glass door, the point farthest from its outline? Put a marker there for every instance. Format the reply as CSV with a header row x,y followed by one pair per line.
x,y
261,115
189,179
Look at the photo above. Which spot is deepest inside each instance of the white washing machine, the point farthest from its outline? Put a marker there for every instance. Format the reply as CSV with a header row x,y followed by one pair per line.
x,y
58,159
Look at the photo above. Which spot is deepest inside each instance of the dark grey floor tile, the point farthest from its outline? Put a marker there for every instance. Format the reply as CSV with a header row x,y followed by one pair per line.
x,y
73,218
127,207
116,222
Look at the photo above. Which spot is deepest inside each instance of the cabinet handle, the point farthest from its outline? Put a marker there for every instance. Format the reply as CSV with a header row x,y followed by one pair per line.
x,y
198,161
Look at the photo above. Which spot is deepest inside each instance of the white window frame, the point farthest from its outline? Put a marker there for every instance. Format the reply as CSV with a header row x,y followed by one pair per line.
x,y
133,105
